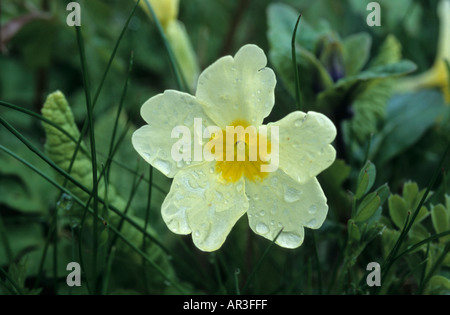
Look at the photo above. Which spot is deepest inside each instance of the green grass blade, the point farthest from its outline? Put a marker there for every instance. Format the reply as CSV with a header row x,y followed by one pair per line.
x,y
5,241
146,221
82,204
258,264
68,177
294,64
119,111
393,254
89,109
41,118
181,82
94,102
13,283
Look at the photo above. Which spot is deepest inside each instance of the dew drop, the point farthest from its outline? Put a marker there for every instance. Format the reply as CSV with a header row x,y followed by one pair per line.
x,y
147,156
274,181
311,223
163,166
298,123
239,187
219,196
65,202
289,240
196,233
312,209
262,213
261,228
292,195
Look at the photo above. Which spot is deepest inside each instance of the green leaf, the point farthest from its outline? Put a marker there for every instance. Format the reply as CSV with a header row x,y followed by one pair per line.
x,y
353,231
371,203
440,219
410,192
367,207
356,52
17,274
366,178
438,285
408,117
389,52
418,233
398,210
312,75
343,86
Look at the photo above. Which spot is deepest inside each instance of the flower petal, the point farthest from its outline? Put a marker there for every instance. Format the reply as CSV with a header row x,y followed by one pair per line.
x,y
163,113
279,202
200,202
239,88
304,144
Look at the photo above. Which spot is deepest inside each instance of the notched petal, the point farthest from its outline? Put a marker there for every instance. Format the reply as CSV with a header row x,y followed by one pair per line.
x,y
171,117
199,202
304,144
239,88
281,204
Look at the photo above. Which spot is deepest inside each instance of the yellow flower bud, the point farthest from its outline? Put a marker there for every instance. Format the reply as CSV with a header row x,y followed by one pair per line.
x,y
437,76
165,10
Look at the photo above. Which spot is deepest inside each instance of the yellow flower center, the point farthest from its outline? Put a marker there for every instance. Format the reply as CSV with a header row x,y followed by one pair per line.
x,y
243,154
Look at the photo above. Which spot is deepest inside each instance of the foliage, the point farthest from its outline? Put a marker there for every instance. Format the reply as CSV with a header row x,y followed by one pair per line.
x,y
388,190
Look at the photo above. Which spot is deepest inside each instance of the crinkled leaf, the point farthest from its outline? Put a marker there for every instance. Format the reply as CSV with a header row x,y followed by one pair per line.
x,y
60,149
389,52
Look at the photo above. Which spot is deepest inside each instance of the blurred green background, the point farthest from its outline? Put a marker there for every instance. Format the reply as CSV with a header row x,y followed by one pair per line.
x,y
405,139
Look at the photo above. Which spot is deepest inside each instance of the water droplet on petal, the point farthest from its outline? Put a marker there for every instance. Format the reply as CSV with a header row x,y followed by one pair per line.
x,y
163,166
312,209
274,181
298,122
292,195
261,228
262,213
289,240
239,187
311,223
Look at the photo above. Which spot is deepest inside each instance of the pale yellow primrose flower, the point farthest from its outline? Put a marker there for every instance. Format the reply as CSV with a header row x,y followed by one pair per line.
x,y
208,197
437,75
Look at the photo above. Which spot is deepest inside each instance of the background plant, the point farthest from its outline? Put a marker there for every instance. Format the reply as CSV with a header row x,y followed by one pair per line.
x,y
387,191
